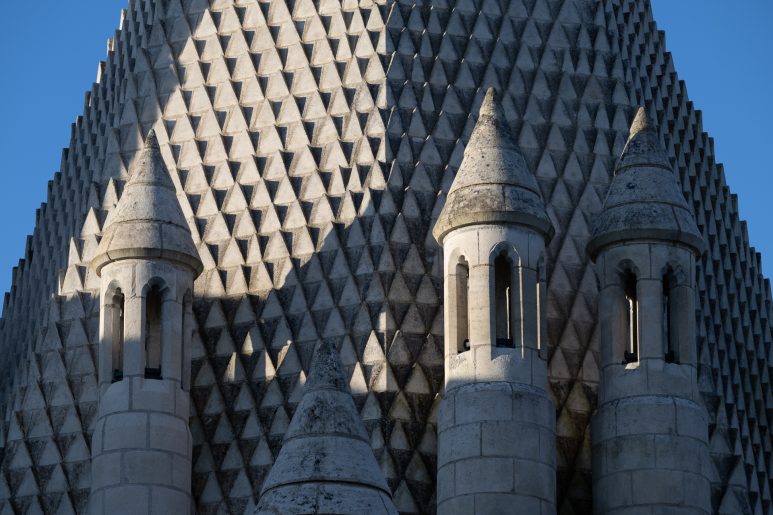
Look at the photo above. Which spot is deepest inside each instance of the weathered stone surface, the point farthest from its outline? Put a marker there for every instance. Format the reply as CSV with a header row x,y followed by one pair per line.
x,y
493,184
148,223
326,464
644,200
324,498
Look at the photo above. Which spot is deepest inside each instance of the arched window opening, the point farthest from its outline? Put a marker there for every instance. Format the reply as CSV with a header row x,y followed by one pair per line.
x,y
116,331
462,306
669,318
153,333
503,296
631,353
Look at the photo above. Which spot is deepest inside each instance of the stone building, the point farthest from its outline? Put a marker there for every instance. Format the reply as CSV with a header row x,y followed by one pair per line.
x,y
387,256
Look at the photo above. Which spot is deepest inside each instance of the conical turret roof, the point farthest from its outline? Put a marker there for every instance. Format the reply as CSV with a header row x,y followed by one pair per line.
x,y
493,184
148,222
645,200
326,464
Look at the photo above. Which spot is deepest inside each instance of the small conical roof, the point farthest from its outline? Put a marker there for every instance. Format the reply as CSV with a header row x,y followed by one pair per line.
x,y
645,200
148,222
326,464
493,184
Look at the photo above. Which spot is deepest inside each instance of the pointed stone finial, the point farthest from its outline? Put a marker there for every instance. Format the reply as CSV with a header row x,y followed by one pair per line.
x,y
645,200
640,123
326,372
643,146
491,130
326,464
493,184
489,105
148,222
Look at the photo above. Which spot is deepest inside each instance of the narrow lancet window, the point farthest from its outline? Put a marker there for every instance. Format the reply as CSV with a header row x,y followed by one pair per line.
x,y
153,333
669,328
116,311
503,294
462,306
631,353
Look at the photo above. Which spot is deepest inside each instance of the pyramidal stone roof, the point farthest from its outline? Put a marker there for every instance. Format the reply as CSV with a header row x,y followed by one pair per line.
x,y
645,200
326,464
148,221
493,184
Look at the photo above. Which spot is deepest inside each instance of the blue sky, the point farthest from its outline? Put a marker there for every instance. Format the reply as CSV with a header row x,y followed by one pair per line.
x,y
49,56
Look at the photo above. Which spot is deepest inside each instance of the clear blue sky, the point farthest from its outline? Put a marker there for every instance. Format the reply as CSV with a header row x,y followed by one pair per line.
x,y
49,55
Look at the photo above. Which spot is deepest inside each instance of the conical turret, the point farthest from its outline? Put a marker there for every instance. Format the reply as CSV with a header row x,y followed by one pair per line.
x,y
645,201
148,223
326,464
493,230
646,243
493,184
147,263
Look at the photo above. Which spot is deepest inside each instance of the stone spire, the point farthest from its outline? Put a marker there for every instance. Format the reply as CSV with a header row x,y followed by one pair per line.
x,y
645,200
326,464
646,243
493,230
493,184
148,223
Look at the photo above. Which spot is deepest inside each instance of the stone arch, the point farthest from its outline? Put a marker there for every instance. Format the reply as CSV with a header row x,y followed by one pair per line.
x,y
675,269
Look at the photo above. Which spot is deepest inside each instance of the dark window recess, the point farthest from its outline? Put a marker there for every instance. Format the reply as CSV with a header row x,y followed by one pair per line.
x,y
631,354
117,320
153,334
503,290
152,373
462,306
669,319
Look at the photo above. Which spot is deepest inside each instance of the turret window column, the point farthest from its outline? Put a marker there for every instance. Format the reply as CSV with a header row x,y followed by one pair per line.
x,y
153,303
116,321
668,319
462,305
504,307
631,354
